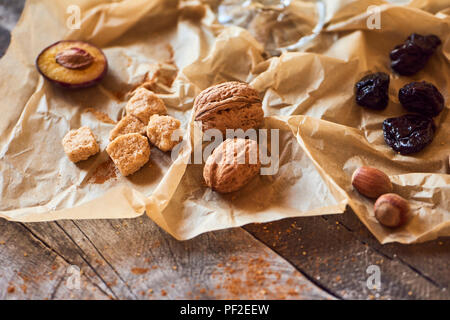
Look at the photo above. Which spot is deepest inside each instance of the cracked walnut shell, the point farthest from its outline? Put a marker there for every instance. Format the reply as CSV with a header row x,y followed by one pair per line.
x,y
232,165
229,105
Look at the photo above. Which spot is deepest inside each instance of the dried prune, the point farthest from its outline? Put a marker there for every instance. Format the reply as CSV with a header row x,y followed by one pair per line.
x,y
409,133
372,91
421,97
411,56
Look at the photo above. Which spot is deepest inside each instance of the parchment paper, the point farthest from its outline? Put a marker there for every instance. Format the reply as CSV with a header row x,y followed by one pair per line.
x,y
178,49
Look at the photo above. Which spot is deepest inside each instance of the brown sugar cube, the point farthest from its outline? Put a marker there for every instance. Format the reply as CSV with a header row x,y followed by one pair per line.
x,y
127,124
129,152
143,104
80,144
160,131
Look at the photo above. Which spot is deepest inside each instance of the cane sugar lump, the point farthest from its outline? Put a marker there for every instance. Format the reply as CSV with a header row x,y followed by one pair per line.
x,y
80,144
129,152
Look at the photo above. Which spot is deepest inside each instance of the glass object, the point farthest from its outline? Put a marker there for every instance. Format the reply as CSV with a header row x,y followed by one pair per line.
x,y
280,25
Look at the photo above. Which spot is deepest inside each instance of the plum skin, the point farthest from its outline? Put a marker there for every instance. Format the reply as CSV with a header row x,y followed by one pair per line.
x,y
66,85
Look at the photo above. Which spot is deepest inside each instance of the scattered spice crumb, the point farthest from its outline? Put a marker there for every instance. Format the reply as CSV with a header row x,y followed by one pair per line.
x,y
104,172
163,293
139,271
11,289
101,116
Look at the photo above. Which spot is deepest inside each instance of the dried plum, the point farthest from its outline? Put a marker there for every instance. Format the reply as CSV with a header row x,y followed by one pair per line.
x,y
372,91
421,97
411,57
409,133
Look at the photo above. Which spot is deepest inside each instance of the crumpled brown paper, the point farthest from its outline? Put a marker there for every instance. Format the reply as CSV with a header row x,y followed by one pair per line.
x,y
177,50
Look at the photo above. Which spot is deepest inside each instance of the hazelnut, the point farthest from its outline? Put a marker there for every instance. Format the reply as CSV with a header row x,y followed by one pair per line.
x,y
232,165
229,105
391,210
371,182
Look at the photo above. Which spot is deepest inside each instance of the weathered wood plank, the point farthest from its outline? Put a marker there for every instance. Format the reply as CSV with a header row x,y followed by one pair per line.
x,y
335,257
140,261
430,259
30,270
55,237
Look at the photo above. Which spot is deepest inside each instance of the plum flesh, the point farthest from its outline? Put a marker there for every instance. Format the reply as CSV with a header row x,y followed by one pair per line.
x,y
72,64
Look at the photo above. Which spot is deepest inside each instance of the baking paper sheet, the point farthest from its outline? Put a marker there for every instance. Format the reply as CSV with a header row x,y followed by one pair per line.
x,y
177,49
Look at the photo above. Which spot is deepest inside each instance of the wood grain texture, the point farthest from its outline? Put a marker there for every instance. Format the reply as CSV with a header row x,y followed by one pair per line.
x,y
30,269
134,259
335,252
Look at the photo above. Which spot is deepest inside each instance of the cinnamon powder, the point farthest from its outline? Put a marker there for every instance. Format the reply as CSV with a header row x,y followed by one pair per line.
x,y
104,172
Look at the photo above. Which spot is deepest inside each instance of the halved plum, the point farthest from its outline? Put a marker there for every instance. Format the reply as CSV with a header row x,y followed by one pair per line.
x,y
72,64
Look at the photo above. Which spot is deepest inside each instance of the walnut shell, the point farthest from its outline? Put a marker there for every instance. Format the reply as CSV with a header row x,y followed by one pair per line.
x,y
232,165
229,105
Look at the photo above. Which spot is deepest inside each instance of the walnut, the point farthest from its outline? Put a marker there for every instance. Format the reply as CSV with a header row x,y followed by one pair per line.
x,y
229,105
232,165
160,131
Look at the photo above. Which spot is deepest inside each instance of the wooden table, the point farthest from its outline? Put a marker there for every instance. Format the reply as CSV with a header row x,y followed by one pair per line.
x,y
304,258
